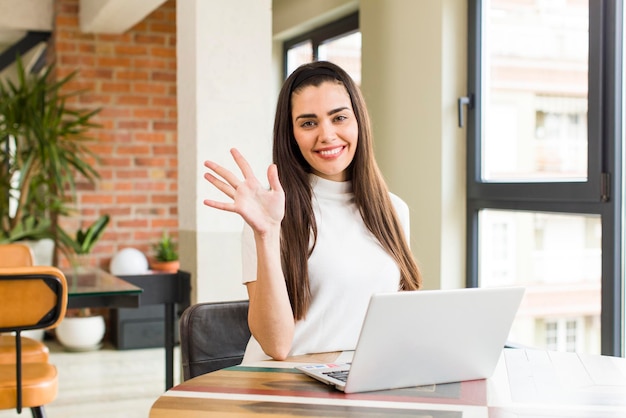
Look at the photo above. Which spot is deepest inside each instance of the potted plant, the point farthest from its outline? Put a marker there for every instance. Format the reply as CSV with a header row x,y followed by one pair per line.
x,y
166,256
79,247
81,330
43,150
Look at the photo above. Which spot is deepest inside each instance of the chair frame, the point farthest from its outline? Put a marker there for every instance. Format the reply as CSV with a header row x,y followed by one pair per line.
x,y
213,335
17,254
55,280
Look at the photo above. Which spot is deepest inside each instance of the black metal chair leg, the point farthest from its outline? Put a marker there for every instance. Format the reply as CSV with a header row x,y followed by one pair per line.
x,y
38,412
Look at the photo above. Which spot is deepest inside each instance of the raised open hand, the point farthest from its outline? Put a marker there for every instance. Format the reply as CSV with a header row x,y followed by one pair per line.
x,y
261,208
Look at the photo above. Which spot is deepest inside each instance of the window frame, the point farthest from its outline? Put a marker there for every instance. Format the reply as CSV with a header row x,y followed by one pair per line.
x,y
601,194
341,27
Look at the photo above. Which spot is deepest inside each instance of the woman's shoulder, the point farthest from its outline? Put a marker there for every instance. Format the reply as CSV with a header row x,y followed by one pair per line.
x,y
399,204
402,210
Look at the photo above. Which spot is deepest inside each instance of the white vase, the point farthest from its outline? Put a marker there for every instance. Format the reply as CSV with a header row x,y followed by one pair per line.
x,y
43,251
81,333
35,334
128,261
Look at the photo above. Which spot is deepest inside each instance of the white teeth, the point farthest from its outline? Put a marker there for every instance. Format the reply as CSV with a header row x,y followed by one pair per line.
x,y
331,152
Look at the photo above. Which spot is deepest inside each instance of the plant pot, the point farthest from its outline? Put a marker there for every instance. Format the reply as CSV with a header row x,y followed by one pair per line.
x,y
167,266
35,334
43,251
81,260
81,333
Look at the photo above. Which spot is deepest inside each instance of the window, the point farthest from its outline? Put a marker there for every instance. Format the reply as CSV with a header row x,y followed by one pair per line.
x,y
338,42
564,334
544,166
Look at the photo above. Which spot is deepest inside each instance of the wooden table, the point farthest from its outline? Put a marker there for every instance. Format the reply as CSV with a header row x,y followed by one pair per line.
x,y
526,383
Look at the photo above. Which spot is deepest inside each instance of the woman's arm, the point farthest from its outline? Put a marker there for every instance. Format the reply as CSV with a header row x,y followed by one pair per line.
x,y
270,316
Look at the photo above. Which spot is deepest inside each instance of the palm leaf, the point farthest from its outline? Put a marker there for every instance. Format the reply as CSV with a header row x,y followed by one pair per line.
x,y
48,143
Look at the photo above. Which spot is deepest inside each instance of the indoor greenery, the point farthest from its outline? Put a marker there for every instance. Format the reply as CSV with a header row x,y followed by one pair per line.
x,y
44,150
165,249
86,239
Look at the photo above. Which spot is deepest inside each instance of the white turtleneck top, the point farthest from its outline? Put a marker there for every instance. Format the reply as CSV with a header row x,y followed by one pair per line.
x,y
346,267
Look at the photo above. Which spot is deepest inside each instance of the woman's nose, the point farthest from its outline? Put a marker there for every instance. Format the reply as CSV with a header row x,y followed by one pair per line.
x,y
327,131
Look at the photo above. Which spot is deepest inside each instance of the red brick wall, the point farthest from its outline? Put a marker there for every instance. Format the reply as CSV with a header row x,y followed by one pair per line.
x,y
132,78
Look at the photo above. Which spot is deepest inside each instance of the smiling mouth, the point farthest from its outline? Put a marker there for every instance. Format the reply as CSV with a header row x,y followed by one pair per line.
x,y
330,152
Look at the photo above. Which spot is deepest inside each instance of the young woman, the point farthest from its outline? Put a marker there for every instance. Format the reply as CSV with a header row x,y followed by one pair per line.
x,y
327,234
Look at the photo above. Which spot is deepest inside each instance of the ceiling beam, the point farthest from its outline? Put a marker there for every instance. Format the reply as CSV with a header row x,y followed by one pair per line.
x,y
114,16
22,48
26,15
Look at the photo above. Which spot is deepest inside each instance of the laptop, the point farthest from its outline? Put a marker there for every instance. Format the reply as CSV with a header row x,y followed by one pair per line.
x,y
425,337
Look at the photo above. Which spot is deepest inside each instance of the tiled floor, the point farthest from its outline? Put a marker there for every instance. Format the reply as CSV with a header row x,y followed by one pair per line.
x,y
107,383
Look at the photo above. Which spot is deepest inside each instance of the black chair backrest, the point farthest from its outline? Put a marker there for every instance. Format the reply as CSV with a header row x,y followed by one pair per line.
x,y
213,336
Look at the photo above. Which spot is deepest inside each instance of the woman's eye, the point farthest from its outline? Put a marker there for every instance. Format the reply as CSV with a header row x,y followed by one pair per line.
x,y
341,118
307,124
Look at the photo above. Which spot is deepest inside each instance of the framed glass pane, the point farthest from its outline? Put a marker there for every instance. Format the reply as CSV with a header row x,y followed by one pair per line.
x,y
535,90
545,166
557,257
622,140
299,54
344,51
338,41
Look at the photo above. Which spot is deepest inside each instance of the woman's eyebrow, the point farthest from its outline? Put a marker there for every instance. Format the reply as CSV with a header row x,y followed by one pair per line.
x,y
339,109
306,116
313,115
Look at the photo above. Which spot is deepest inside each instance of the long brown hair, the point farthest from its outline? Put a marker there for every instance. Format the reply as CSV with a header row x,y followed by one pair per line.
x,y
370,191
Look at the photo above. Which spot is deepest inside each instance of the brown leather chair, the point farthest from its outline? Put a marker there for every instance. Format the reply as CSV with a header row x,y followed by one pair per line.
x,y
30,298
33,351
213,336
19,255
15,255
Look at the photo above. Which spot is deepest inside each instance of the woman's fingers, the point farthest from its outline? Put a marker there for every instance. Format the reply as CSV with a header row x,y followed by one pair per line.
x,y
242,163
227,175
272,178
219,205
228,183
258,206
225,188
230,178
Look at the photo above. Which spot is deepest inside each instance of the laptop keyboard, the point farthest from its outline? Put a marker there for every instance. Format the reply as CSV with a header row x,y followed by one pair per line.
x,y
339,375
